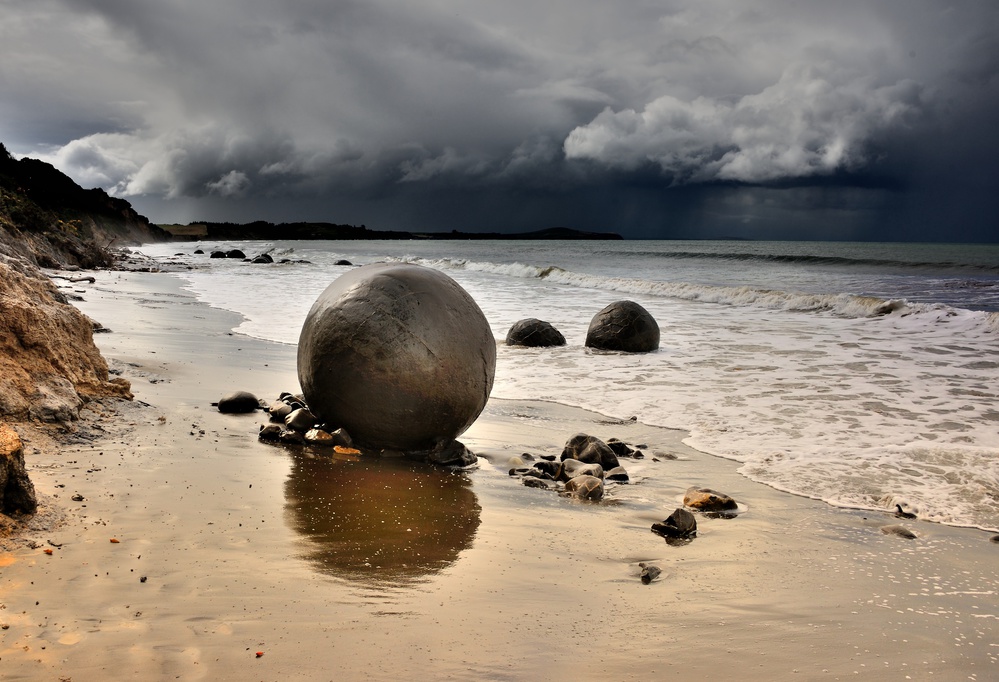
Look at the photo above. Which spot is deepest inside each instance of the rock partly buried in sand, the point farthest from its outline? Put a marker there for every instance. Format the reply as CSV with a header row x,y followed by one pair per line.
x,y
585,488
994,539
263,258
708,500
900,531
398,354
680,524
591,450
17,494
235,253
649,572
239,402
534,333
624,326
270,432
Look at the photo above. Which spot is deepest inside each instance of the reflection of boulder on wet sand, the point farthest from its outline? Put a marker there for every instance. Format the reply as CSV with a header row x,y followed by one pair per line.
x,y
383,519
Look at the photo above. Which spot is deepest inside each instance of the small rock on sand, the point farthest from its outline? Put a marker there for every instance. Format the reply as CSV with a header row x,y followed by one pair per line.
x,y
900,531
239,402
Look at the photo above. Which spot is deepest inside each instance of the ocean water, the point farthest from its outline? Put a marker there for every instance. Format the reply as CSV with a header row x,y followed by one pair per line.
x,y
864,375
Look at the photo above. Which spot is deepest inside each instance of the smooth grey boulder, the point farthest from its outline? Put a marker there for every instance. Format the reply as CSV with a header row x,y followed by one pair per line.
x,y
624,326
399,355
239,402
534,333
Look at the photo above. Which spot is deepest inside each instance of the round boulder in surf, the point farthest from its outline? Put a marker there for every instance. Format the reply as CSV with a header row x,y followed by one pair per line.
x,y
534,333
623,326
397,354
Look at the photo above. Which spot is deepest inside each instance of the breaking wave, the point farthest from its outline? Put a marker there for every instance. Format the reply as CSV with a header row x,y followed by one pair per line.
x,y
844,305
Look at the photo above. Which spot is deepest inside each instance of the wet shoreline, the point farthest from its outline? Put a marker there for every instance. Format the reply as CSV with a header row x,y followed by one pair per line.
x,y
241,551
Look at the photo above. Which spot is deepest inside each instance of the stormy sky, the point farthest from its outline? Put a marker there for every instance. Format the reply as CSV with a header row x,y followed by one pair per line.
x,y
780,119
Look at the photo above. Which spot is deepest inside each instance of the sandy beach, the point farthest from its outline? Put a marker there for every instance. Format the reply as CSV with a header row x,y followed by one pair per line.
x,y
198,552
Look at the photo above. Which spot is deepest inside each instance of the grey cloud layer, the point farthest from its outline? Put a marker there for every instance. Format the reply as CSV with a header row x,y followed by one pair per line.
x,y
238,98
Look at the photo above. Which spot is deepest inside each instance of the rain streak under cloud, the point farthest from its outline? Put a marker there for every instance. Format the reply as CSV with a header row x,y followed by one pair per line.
x,y
655,119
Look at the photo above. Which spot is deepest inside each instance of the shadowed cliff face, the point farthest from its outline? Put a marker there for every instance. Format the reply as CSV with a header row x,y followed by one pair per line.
x,y
49,364
379,520
52,221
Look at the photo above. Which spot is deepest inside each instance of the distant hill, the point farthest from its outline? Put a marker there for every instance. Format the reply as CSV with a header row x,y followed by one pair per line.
x,y
271,231
54,221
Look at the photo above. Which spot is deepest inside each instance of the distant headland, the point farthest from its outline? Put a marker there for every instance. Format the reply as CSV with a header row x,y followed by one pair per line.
x,y
270,231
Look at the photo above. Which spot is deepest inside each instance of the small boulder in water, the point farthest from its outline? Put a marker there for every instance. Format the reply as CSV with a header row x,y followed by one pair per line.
x,y
235,253
623,326
239,402
534,333
263,258
590,449
708,500
585,488
217,254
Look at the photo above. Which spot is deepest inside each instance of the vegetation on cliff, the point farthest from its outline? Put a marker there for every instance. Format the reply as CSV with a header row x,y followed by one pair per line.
x,y
52,221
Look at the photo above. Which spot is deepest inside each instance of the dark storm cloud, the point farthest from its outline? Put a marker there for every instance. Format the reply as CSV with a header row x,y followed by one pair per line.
x,y
667,118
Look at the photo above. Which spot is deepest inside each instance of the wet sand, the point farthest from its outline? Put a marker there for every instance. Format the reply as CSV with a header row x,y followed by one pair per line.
x,y
339,568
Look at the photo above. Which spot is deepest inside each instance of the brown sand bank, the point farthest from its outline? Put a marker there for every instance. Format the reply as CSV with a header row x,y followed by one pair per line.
x,y
340,569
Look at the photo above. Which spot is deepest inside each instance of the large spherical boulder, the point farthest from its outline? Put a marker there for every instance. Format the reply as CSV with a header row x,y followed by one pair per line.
x,y
624,326
534,333
397,354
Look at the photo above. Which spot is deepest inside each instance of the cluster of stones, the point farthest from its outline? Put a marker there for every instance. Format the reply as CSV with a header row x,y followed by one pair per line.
x,y
262,258
586,465
621,326
292,423
680,527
